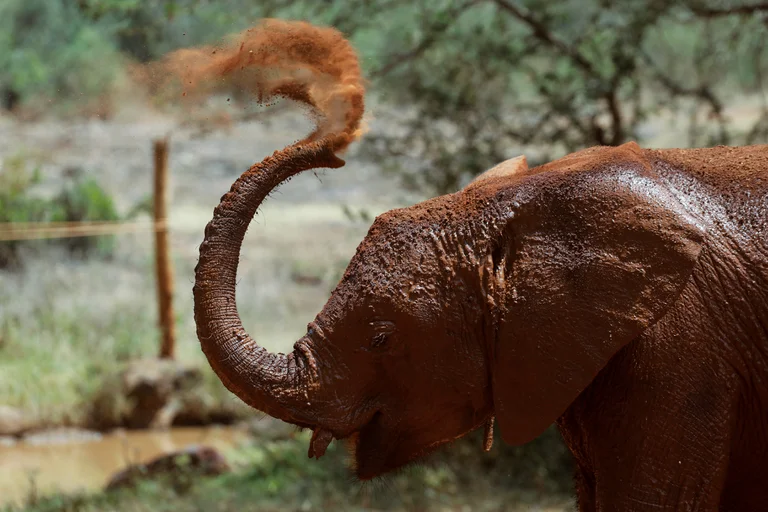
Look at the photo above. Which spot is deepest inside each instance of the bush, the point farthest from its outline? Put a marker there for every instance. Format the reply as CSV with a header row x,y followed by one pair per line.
x,y
16,205
49,50
480,82
80,200
74,51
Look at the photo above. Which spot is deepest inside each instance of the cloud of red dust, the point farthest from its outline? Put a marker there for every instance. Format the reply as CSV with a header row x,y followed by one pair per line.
x,y
312,65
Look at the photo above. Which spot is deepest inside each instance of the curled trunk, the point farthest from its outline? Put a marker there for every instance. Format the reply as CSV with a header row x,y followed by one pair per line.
x,y
277,384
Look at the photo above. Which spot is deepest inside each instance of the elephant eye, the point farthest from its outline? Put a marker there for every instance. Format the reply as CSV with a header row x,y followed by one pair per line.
x,y
381,331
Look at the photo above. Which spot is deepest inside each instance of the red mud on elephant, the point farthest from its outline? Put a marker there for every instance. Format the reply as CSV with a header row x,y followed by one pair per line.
x,y
618,291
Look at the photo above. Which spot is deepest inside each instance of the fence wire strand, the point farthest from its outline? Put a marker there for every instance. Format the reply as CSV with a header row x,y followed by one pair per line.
x,y
16,231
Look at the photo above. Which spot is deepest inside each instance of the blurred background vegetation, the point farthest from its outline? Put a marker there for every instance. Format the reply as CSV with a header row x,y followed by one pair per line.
x,y
455,86
475,81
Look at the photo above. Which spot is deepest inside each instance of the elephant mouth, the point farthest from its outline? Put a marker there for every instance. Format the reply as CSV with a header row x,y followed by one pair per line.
x,y
369,448
379,447
322,437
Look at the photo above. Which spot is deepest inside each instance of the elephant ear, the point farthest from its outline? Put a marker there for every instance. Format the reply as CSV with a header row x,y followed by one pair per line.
x,y
510,167
595,249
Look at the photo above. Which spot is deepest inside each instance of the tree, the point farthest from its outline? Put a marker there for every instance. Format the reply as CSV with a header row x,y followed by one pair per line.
x,y
485,80
463,84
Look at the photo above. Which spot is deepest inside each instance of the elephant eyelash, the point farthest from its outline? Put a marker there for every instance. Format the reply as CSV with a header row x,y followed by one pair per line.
x,y
379,339
382,330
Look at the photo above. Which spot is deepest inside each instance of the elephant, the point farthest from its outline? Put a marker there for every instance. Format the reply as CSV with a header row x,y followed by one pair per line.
x,y
619,292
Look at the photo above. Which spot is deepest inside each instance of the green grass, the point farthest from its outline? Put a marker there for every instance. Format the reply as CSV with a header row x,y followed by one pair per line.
x,y
276,475
60,339
67,326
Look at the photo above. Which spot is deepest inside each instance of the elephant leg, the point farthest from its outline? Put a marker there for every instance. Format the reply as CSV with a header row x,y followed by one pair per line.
x,y
656,441
585,490
676,482
584,476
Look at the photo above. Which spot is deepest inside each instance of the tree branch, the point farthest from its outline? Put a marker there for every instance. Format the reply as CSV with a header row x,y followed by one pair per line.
x,y
434,34
742,10
617,120
701,92
542,32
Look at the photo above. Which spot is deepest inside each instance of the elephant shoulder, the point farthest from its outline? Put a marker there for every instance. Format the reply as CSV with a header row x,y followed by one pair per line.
x,y
598,158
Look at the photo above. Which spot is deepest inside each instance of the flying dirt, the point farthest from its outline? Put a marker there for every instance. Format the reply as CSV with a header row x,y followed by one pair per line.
x,y
311,65
314,66
619,292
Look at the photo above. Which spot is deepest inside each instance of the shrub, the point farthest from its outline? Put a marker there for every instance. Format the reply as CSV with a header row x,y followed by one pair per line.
x,y
80,200
16,205
85,200
49,50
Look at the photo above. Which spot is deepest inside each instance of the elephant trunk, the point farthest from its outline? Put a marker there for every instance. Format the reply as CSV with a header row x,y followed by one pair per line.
x,y
277,384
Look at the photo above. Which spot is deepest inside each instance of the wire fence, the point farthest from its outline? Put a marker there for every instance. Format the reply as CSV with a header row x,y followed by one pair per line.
x,y
16,231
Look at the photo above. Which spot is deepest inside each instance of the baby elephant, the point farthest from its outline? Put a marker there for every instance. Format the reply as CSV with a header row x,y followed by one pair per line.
x,y
620,292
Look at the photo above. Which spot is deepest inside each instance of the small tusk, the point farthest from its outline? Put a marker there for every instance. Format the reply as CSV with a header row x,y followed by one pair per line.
x,y
319,443
488,436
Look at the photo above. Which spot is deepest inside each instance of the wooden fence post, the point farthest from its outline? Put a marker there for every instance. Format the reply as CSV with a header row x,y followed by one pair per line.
x,y
163,263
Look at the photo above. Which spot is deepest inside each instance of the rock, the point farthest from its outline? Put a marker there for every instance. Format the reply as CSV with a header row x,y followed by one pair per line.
x,y
199,409
197,460
13,422
153,386
147,393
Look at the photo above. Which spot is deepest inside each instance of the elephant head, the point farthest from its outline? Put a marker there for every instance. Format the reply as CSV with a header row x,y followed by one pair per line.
x,y
504,299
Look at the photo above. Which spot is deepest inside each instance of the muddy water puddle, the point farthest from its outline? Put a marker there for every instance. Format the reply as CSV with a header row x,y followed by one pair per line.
x,y
70,462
